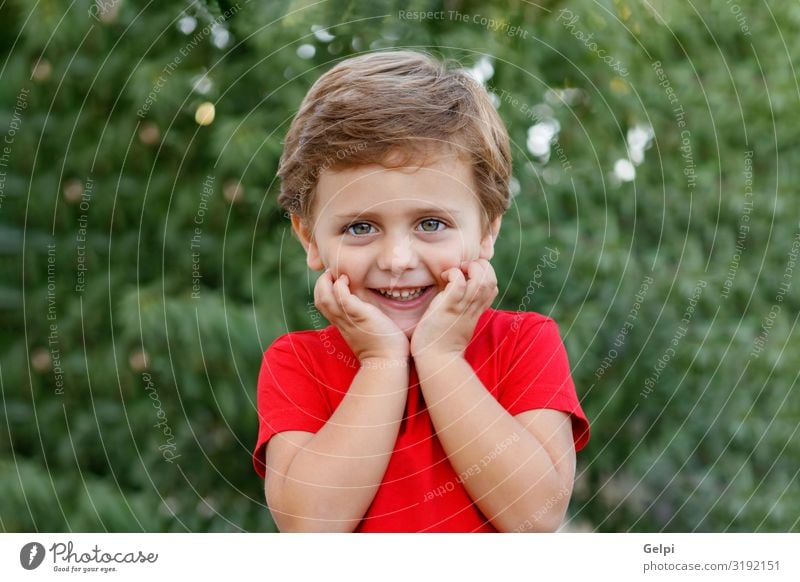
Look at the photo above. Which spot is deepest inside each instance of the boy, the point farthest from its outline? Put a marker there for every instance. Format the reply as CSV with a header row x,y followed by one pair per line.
x,y
420,408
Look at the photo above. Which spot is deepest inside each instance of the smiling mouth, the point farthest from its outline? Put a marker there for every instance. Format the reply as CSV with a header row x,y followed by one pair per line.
x,y
407,294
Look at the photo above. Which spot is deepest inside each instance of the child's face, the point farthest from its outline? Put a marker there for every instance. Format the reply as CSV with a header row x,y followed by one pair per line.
x,y
397,229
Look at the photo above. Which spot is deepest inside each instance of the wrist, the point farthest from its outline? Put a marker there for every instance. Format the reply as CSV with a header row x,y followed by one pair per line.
x,y
437,358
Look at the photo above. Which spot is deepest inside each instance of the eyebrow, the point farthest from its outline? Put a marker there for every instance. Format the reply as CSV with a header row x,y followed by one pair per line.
x,y
372,215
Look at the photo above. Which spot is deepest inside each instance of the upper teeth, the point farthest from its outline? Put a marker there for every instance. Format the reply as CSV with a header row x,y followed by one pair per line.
x,y
404,294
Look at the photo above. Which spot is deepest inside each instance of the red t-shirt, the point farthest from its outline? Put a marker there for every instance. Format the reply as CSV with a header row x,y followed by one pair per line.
x,y
518,356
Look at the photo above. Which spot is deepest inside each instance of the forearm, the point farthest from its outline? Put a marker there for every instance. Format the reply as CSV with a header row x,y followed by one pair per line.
x,y
331,481
507,471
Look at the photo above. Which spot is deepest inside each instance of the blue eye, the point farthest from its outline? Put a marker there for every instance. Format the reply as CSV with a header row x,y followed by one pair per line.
x,y
432,221
358,225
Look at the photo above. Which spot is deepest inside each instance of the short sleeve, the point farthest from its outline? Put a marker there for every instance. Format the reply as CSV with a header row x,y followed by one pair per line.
x,y
539,374
290,397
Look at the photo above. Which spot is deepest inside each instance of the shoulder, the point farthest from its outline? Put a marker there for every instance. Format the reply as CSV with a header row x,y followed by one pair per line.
x,y
307,342
500,321
501,334
292,337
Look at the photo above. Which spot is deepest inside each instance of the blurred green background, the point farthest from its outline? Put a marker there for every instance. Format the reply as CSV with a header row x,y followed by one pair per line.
x,y
145,264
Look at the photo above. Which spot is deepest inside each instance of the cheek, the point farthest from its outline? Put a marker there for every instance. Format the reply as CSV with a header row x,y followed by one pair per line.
x,y
350,262
438,263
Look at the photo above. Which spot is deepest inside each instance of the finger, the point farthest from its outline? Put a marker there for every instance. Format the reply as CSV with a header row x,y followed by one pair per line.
x,y
324,298
319,288
490,285
355,309
482,285
341,290
322,294
486,297
351,305
475,280
456,286
484,272
482,269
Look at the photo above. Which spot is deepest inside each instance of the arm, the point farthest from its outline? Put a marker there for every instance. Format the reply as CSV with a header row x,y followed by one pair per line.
x,y
518,470
327,481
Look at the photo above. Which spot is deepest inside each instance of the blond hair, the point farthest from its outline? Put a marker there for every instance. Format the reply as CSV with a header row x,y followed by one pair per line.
x,y
388,108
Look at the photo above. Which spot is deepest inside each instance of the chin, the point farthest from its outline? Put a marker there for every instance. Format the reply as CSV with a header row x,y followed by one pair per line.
x,y
407,327
410,331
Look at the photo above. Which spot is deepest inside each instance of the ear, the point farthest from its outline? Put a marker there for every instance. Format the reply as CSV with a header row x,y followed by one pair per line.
x,y
306,236
487,243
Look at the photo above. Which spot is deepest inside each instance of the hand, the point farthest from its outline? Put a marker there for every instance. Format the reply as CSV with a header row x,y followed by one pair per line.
x,y
366,329
449,322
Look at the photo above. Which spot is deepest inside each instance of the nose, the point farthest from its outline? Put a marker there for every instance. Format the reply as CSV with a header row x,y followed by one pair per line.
x,y
398,255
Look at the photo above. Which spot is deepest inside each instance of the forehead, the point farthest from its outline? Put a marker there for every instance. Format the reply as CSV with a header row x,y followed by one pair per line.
x,y
446,184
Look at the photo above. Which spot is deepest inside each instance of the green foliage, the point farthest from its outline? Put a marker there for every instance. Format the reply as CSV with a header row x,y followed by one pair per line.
x,y
191,270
